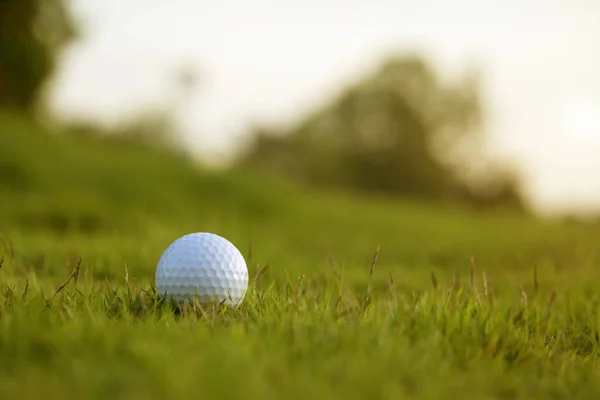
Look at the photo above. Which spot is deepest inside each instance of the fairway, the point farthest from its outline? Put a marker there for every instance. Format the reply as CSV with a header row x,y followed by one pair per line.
x,y
349,297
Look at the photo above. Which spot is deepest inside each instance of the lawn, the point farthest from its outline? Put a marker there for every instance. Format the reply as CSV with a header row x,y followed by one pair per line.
x,y
349,297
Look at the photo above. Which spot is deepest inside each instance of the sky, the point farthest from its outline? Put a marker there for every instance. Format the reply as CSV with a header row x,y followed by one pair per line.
x,y
268,61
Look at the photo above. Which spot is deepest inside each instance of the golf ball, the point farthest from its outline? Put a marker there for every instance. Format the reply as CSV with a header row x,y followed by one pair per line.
x,y
203,266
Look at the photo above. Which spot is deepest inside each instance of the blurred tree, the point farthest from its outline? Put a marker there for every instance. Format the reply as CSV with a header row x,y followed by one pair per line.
x,y
32,32
401,130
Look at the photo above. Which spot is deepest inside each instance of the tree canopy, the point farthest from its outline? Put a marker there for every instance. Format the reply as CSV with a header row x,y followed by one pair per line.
x,y
32,33
400,130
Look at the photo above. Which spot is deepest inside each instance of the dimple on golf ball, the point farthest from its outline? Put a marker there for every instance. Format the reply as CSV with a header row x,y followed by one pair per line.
x,y
202,266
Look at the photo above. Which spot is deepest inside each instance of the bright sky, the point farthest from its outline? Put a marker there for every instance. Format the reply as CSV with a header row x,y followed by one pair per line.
x,y
265,60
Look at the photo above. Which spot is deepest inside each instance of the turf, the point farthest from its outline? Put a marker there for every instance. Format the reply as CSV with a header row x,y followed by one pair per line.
x,y
350,297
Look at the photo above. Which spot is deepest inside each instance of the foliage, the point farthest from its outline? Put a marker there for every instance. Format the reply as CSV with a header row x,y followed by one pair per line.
x,y
308,337
401,130
32,33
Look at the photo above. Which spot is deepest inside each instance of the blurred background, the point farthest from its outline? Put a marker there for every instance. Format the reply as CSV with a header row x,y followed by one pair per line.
x,y
472,102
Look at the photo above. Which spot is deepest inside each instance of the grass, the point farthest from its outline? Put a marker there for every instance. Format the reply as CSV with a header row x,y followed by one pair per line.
x,y
351,298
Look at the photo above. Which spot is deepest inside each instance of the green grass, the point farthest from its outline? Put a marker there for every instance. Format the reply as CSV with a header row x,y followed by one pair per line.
x,y
321,319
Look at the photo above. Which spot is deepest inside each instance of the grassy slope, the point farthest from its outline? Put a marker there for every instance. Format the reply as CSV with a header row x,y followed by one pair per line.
x,y
337,331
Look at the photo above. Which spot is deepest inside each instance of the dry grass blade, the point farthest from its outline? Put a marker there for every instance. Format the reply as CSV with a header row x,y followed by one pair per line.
x,y
535,278
486,289
184,308
259,300
553,296
9,291
26,288
77,270
230,298
551,301
1,262
434,280
472,271
194,305
73,277
456,282
523,296
299,290
371,270
337,303
375,257
261,272
64,285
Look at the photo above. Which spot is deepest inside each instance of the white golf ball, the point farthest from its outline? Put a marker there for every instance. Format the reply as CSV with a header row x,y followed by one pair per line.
x,y
203,266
